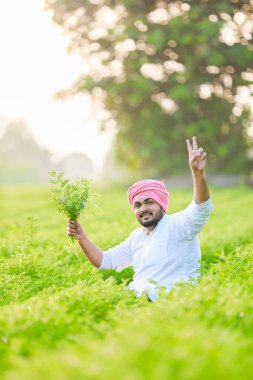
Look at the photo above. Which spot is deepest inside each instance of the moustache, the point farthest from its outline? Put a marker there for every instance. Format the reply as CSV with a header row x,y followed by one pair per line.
x,y
145,213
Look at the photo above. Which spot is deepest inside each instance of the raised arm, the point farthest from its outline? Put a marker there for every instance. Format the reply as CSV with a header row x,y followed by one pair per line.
x,y
118,257
197,162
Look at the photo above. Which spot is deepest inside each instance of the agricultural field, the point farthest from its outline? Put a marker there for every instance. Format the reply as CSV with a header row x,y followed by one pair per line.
x,y
61,318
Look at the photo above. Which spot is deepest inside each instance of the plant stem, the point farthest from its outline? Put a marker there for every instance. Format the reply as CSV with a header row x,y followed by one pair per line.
x,y
73,240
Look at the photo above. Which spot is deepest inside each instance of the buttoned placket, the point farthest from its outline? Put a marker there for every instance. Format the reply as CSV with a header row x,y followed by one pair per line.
x,y
148,238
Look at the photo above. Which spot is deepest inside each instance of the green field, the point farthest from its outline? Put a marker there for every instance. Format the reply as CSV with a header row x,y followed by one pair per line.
x,y
61,318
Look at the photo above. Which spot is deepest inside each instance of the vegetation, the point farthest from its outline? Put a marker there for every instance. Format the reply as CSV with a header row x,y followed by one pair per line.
x,y
62,318
69,198
22,159
165,71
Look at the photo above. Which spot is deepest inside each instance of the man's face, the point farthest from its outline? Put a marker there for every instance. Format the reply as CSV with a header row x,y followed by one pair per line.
x,y
148,212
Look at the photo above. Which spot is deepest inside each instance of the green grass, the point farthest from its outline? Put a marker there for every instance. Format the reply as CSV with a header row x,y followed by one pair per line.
x,y
62,318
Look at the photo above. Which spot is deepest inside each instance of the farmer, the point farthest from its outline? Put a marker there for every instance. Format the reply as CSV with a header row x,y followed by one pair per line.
x,y
166,249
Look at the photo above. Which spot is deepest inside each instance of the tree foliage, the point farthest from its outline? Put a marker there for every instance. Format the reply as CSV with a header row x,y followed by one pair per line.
x,y
22,159
166,71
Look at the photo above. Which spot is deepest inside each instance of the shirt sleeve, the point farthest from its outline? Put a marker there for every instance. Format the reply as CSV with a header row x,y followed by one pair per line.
x,y
118,257
189,222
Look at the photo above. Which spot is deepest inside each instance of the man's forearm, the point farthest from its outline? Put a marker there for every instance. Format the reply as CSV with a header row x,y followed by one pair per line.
x,y
93,253
201,192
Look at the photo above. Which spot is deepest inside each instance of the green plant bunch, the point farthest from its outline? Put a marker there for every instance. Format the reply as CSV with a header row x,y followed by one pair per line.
x,y
69,198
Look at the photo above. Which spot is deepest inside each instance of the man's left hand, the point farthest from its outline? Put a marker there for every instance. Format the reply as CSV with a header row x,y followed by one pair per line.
x,y
197,156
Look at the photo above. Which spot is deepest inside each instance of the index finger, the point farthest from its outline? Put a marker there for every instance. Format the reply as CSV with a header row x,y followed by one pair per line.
x,y
194,143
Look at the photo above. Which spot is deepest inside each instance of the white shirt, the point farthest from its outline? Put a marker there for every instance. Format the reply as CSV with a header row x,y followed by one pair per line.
x,y
169,254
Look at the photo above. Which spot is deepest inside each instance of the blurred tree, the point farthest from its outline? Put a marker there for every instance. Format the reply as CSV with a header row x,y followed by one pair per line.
x,y
165,71
22,160
75,166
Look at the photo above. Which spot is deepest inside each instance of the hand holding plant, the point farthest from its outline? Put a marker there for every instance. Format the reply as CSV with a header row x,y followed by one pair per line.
x,y
75,229
71,199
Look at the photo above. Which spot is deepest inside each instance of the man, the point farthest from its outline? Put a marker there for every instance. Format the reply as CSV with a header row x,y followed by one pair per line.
x,y
166,249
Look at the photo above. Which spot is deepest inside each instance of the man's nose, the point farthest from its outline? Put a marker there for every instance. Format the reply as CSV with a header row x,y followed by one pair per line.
x,y
143,207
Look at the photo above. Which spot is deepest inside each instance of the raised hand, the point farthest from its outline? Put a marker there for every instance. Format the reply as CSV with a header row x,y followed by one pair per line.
x,y
75,229
197,156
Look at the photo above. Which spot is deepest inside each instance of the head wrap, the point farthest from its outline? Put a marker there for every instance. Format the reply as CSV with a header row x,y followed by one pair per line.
x,y
149,188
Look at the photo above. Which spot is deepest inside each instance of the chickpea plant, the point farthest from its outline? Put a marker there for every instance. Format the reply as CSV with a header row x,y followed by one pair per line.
x,y
71,199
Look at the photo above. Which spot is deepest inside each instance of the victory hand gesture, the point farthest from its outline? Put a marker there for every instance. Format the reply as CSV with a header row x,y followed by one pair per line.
x,y
197,157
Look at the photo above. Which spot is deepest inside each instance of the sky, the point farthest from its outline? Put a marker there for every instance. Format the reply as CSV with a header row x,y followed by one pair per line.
x,y
34,65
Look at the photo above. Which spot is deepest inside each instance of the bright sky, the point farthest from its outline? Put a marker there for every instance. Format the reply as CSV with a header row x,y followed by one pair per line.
x,y
34,65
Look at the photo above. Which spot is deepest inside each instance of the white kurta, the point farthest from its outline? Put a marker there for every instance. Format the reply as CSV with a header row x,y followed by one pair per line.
x,y
169,254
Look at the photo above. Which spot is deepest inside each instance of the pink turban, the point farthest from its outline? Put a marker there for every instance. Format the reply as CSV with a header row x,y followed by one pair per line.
x,y
149,188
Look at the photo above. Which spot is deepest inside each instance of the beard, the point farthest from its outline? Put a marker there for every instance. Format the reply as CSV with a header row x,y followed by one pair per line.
x,y
152,222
